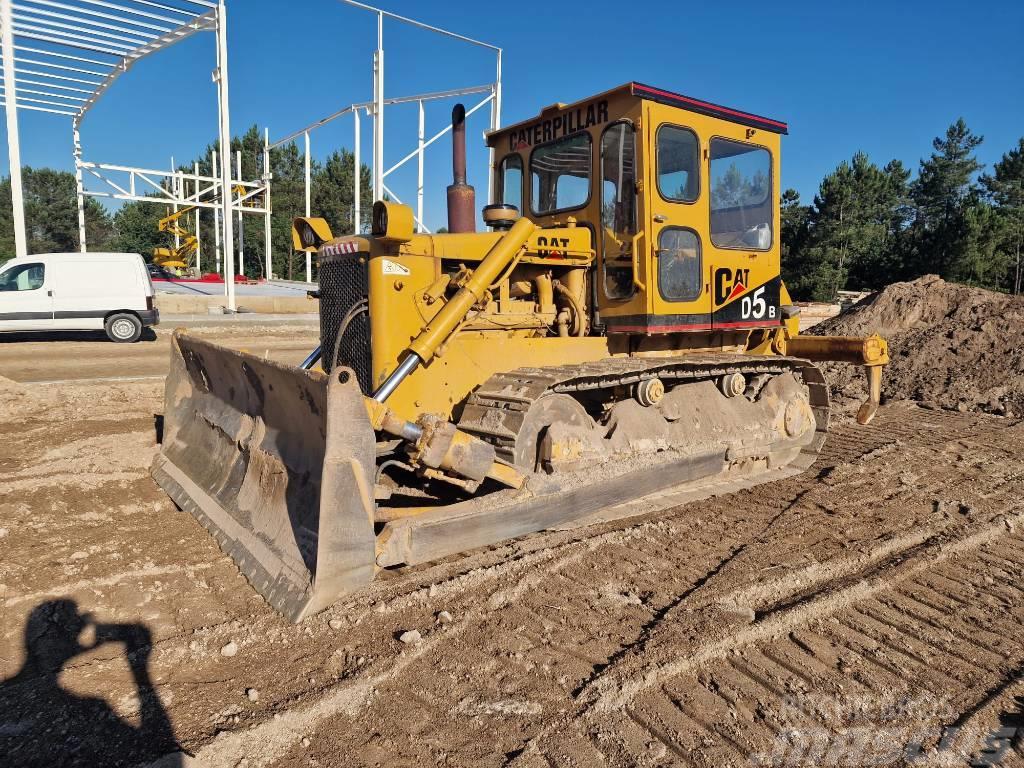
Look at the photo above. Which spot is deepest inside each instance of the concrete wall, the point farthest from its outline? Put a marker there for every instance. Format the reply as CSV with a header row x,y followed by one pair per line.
x,y
812,313
200,305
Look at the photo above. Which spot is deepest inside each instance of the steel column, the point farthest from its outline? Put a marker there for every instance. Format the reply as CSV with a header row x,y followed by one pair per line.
x,y
492,192
199,239
378,112
419,174
267,175
241,221
177,194
79,185
224,115
357,180
216,217
13,144
308,170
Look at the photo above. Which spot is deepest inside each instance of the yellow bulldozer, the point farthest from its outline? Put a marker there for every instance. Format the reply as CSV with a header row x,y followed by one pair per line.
x,y
621,331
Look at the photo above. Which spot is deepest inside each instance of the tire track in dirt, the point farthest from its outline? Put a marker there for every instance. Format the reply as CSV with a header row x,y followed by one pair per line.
x,y
262,744
561,740
754,692
635,542
105,581
870,627
649,669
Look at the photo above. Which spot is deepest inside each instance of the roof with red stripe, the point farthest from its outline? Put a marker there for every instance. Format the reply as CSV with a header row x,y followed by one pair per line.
x,y
649,92
708,108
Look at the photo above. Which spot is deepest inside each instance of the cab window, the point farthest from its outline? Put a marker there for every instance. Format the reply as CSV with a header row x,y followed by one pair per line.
x,y
24,277
741,195
679,271
560,174
618,209
512,181
678,164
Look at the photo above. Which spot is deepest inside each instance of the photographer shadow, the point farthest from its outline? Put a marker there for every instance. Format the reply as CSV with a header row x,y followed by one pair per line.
x,y
41,723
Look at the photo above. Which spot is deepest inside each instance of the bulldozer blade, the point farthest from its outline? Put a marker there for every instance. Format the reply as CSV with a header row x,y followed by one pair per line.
x,y
277,463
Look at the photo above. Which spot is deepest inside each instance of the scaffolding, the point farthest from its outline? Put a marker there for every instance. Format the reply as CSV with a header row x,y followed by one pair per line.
x,y
182,189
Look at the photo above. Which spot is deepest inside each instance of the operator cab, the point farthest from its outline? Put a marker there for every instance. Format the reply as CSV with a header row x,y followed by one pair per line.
x,y
680,197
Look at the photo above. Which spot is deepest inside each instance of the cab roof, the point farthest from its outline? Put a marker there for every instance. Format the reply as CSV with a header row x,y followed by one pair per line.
x,y
642,91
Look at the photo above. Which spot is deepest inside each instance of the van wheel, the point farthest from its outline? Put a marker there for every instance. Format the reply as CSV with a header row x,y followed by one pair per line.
x,y
123,328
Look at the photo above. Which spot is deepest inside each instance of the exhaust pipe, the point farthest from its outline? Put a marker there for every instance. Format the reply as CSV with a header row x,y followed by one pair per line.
x,y
461,196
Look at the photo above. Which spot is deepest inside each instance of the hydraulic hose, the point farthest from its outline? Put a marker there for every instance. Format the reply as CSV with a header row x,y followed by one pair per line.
x,y
311,359
357,309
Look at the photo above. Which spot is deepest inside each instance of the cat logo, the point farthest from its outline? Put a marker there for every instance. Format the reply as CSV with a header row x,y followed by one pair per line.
x,y
729,284
553,243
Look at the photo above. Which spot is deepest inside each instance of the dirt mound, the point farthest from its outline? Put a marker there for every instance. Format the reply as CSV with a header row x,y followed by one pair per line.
x,y
14,398
952,346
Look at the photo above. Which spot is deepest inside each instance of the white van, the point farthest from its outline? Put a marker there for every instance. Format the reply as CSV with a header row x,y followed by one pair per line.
x,y
111,292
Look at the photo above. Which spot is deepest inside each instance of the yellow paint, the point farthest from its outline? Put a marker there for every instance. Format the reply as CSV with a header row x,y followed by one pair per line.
x,y
476,356
308,233
188,243
392,222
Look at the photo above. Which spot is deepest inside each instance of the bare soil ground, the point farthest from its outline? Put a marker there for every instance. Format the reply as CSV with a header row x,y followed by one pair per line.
x,y
59,357
867,612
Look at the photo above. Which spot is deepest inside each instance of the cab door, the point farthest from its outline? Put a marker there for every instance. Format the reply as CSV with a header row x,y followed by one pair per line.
x,y
677,215
26,297
621,275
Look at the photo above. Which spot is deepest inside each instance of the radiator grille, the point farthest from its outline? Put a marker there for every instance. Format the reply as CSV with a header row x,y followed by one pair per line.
x,y
344,283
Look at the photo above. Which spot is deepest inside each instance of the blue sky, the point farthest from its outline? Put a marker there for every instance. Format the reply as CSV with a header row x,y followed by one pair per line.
x,y
884,77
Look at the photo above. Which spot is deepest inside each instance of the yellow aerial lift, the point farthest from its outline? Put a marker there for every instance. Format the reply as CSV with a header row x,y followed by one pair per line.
x,y
180,257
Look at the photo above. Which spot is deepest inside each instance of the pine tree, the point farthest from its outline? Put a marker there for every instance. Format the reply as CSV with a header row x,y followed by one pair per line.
x,y
1006,190
942,192
332,196
851,234
793,238
135,229
288,197
893,261
51,214
978,258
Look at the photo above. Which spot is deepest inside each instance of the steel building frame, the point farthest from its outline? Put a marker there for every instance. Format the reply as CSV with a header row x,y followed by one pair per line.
x,y
374,109
61,56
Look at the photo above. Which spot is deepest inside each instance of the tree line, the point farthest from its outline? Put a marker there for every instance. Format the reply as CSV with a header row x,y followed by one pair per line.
x,y
51,217
871,226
